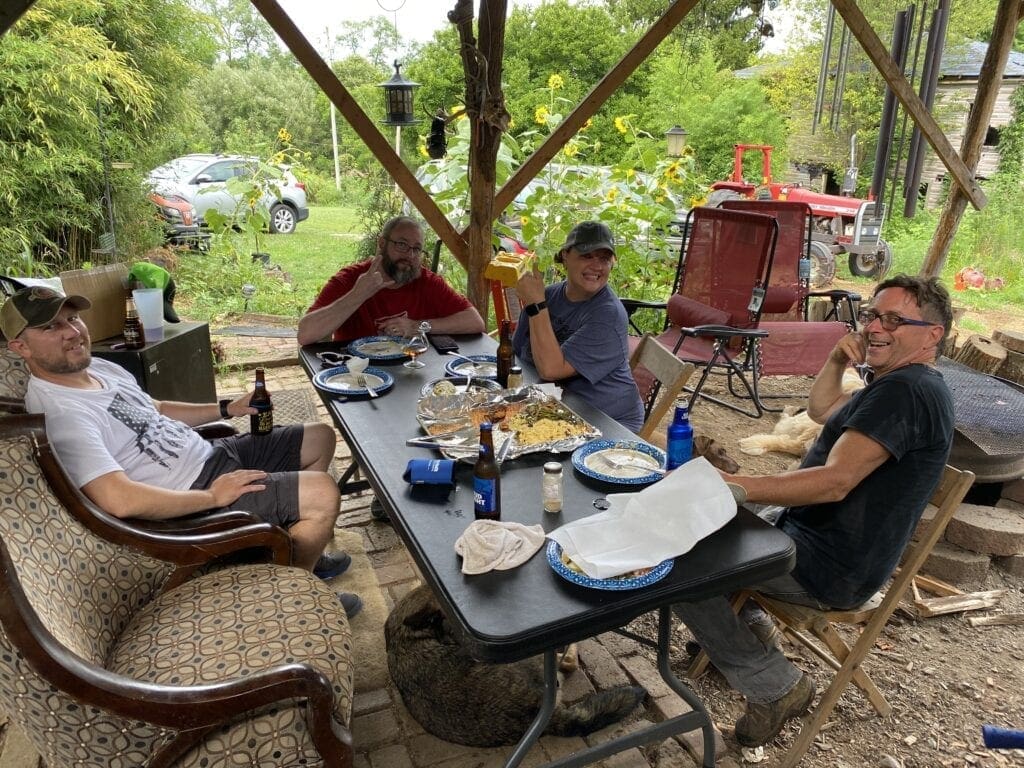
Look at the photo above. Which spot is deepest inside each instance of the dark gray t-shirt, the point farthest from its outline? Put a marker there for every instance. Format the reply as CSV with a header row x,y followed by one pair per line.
x,y
847,549
592,335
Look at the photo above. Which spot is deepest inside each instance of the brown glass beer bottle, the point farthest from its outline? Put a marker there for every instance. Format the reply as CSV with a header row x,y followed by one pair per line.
x,y
506,357
486,479
134,334
261,422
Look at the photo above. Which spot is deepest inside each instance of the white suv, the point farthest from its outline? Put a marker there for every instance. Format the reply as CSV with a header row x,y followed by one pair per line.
x,y
202,180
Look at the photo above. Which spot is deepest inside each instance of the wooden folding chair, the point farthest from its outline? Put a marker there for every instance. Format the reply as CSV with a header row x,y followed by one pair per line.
x,y
816,629
660,376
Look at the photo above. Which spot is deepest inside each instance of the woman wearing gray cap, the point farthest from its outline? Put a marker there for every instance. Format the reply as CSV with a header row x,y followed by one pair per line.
x,y
574,332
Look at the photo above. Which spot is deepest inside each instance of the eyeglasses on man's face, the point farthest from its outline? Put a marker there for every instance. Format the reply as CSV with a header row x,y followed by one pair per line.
x,y
403,247
890,320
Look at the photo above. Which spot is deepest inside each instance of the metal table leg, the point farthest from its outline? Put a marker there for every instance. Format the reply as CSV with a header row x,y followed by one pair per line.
x,y
690,721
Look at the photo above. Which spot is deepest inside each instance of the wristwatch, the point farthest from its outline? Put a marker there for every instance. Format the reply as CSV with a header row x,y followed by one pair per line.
x,y
534,309
224,408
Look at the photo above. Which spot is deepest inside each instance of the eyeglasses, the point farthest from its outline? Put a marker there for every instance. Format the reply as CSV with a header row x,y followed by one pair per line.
x,y
890,320
403,247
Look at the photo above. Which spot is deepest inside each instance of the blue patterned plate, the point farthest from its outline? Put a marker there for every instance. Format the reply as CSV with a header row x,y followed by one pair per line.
x,y
340,381
378,348
482,366
621,462
657,573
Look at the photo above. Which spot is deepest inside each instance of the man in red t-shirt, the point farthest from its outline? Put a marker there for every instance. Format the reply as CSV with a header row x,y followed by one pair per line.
x,y
391,294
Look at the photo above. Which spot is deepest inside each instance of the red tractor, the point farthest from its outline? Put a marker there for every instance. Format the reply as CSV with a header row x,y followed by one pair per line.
x,y
840,224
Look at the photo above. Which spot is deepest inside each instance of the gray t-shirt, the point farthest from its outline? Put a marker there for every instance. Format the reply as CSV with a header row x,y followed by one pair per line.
x,y
115,428
592,335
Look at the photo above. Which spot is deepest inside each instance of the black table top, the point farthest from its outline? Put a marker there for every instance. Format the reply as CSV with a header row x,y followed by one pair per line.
x,y
507,615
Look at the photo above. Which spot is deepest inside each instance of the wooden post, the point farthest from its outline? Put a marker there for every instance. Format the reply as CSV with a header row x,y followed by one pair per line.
x,y
989,81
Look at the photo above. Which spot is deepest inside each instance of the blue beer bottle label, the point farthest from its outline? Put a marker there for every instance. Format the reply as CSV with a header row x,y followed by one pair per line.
x,y
484,495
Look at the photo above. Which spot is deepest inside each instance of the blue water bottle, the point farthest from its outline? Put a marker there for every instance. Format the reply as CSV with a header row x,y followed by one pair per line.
x,y
680,438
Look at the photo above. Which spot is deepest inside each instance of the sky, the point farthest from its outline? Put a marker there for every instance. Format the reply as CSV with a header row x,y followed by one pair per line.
x,y
416,19
419,19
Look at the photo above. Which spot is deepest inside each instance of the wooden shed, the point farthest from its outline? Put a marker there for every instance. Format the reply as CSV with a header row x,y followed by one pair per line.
x,y
957,89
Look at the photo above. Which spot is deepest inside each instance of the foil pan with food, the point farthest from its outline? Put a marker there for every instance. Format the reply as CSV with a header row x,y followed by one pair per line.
x,y
535,422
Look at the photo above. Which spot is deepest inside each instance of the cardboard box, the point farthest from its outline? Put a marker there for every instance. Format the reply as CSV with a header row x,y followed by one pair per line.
x,y
106,287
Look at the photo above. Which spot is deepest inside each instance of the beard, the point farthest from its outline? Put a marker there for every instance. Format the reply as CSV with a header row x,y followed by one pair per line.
x,y
402,273
61,364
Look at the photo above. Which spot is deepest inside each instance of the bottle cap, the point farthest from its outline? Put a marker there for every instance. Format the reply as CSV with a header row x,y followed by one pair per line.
x,y
552,467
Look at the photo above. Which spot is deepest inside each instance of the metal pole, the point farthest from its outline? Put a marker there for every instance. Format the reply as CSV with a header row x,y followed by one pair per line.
x,y
334,145
826,54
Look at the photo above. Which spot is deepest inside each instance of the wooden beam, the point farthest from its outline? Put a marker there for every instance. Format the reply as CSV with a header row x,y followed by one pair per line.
x,y
11,11
363,126
876,51
989,81
592,102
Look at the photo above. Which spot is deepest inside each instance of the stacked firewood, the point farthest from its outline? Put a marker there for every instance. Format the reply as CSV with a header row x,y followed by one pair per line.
x,y
1002,355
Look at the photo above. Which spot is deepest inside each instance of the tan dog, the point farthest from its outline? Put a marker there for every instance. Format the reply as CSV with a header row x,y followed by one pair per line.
x,y
795,431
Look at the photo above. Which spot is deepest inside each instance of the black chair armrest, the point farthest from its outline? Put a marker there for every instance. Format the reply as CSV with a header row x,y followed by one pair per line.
x,y
723,332
215,429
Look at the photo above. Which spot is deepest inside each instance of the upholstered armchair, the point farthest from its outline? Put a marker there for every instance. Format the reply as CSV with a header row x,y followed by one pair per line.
x,y
111,655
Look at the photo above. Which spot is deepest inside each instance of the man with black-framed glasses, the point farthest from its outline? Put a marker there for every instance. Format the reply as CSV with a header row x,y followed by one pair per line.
x,y
390,294
854,502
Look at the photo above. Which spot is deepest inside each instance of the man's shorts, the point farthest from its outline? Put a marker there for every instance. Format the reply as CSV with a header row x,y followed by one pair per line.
x,y
278,454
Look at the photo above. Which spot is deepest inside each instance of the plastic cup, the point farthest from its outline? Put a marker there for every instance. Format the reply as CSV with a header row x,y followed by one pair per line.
x,y
150,304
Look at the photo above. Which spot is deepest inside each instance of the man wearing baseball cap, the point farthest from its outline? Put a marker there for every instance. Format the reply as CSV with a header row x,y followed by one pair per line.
x,y
35,307
135,457
574,332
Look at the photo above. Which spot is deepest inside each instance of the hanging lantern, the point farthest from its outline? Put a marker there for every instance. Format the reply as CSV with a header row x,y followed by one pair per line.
x,y
398,102
675,137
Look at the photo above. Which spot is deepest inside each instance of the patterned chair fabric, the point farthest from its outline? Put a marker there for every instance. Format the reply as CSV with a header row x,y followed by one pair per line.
x,y
103,604
13,378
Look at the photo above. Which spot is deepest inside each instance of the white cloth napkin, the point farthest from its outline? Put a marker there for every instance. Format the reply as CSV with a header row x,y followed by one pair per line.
x,y
488,545
640,530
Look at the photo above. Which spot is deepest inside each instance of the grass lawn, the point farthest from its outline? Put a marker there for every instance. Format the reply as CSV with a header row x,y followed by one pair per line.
x,y
210,285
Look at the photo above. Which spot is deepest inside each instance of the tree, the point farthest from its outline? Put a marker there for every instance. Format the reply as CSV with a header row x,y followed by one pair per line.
x,y
63,65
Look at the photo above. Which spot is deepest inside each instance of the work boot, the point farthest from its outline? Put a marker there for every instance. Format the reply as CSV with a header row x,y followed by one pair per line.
x,y
351,602
331,564
762,722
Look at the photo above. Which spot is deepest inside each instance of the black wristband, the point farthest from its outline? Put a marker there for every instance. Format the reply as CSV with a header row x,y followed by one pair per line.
x,y
534,309
224,408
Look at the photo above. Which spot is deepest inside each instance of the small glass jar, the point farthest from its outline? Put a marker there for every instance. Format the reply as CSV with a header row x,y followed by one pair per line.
x,y
515,377
551,487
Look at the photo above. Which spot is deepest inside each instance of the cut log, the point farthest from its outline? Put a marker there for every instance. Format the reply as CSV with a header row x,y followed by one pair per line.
x,y
1012,368
1012,340
981,354
971,601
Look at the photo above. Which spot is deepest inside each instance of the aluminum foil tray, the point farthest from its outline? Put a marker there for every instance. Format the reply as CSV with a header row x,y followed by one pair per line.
x,y
533,421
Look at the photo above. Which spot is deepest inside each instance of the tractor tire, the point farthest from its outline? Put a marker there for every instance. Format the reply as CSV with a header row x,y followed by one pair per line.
x,y
873,265
823,265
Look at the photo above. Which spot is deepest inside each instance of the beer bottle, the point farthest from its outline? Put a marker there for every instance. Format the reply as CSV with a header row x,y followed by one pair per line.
x,y
506,357
679,443
486,479
261,422
134,334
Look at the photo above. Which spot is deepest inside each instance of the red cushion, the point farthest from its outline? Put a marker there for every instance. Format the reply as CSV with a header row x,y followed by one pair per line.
x,y
688,313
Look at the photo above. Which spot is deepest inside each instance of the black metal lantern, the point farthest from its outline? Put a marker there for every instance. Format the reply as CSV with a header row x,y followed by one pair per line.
x,y
398,106
676,140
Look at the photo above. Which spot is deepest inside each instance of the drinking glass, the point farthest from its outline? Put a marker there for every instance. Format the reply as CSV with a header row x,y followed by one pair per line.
x,y
416,345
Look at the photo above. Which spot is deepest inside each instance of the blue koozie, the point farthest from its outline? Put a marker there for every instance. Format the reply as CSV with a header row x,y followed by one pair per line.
x,y
430,472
